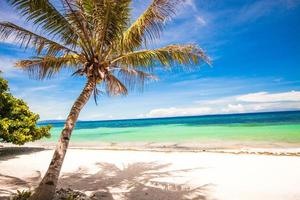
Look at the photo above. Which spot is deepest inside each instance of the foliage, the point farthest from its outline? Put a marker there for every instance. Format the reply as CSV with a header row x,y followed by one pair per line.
x,y
60,194
21,195
96,39
17,122
69,194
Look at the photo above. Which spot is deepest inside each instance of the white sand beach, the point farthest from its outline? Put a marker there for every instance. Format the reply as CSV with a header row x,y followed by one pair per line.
x,y
146,175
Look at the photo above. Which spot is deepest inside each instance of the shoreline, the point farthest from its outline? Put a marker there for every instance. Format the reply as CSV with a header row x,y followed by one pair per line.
x,y
265,148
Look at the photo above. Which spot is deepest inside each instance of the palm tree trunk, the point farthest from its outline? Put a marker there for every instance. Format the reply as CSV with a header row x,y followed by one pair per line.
x,y
46,188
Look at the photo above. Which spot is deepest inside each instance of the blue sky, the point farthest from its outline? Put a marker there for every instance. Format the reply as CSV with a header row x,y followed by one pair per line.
x,y
254,45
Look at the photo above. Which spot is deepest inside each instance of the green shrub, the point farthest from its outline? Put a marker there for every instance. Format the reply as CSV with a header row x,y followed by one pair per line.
x,y
18,124
21,195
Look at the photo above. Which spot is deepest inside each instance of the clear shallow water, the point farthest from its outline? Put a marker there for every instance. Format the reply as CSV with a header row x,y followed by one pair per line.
x,y
266,127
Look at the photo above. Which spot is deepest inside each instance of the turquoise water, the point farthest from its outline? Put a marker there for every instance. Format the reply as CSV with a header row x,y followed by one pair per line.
x,y
267,127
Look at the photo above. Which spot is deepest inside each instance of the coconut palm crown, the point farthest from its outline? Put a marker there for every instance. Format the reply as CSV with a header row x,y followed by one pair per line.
x,y
94,39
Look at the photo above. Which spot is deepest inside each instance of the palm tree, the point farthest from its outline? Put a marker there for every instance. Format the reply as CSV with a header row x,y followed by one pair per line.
x,y
96,40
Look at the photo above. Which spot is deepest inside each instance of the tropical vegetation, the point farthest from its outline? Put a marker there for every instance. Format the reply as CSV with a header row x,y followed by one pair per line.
x,y
18,124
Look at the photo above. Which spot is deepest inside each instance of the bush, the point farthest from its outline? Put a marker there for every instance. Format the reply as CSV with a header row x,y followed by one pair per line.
x,y
18,124
60,194
21,195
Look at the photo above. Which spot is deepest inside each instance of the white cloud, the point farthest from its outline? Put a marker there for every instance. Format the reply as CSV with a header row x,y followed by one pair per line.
x,y
234,108
7,67
191,4
270,97
262,8
254,102
41,88
49,109
28,92
168,112
200,20
7,13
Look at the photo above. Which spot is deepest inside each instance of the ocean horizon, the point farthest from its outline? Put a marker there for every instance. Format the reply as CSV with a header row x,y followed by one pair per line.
x,y
183,116
277,127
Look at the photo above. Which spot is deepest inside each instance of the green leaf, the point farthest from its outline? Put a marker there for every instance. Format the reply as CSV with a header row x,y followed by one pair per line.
x,y
18,124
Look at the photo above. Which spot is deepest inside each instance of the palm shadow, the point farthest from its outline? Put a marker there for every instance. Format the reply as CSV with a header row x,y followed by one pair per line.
x,y
135,181
7,153
11,184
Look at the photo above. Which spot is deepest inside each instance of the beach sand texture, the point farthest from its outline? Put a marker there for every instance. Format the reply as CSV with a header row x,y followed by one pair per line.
x,y
141,175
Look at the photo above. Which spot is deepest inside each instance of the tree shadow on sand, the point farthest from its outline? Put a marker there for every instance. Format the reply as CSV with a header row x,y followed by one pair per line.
x,y
10,184
7,153
134,181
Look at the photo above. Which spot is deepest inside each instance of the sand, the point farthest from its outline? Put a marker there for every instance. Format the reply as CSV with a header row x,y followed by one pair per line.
x,y
146,175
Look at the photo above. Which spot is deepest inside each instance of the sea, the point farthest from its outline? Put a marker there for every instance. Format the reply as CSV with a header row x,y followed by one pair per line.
x,y
282,127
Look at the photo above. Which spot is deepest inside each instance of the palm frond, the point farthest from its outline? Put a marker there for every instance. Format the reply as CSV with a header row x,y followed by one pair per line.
x,y
114,87
109,18
47,66
27,38
133,78
165,56
108,50
76,17
42,13
149,25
